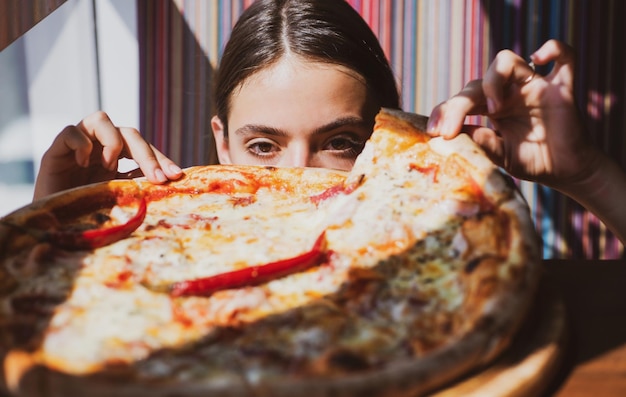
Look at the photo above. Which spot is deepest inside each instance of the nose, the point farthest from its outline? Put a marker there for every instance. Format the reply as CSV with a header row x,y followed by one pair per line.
x,y
297,154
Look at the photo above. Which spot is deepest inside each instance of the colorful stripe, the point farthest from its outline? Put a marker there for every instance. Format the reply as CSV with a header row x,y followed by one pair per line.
x,y
434,47
18,16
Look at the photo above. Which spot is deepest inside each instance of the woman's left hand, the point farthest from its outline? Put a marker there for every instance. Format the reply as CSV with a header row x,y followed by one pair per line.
x,y
537,132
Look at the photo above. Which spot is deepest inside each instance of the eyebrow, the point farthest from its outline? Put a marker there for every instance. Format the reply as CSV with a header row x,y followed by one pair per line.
x,y
267,130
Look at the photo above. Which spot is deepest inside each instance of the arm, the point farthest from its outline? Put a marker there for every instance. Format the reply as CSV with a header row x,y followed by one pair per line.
x,y
603,193
537,131
89,152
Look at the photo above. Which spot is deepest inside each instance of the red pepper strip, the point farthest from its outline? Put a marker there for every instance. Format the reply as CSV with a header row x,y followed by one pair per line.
x,y
95,238
88,239
336,190
253,275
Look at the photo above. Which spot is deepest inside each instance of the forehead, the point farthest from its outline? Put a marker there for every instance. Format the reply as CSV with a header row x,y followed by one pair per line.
x,y
295,94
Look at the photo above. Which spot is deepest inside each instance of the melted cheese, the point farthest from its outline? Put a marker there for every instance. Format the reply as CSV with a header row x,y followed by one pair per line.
x,y
392,279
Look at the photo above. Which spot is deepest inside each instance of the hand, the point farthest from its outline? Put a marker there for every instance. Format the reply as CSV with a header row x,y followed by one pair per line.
x,y
537,132
89,152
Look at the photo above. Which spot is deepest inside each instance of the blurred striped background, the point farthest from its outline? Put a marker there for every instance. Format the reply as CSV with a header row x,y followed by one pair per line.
x,y
17,16
435,47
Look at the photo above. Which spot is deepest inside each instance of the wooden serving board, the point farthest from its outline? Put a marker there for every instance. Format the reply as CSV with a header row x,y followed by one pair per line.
x,y
528,366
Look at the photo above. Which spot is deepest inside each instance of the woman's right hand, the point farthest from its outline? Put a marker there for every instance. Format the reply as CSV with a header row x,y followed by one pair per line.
x,y
89,152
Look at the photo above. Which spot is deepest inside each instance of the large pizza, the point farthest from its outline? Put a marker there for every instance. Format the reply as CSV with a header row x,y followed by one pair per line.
x,y
393,279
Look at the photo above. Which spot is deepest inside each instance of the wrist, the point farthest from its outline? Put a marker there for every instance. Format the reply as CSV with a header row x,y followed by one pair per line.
x,y
602,190
591,181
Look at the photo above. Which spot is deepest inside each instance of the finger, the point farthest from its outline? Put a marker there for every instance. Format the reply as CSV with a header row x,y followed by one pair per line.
x,y
72,139
447,118
563,56
554,50
157,167
506,69
490,141
171,169
99,127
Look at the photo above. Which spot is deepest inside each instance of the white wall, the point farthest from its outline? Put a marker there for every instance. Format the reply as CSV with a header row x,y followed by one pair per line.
x,y
61,72
51,77
119,60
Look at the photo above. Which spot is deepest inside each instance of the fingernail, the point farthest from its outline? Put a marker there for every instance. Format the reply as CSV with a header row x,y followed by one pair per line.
x,y
431,127
174,169
491,106
537,54
159,175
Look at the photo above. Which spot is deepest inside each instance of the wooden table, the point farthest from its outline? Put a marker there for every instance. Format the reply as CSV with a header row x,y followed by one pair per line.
x,y
594,293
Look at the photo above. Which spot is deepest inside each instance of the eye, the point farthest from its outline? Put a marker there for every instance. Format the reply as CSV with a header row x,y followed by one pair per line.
x,y
262,147
344,145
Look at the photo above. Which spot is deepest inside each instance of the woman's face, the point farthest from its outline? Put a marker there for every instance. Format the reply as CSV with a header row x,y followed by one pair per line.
x,y
300,114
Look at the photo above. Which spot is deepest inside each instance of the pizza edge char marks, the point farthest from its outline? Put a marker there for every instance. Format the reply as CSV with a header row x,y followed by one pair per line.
x,y
472,218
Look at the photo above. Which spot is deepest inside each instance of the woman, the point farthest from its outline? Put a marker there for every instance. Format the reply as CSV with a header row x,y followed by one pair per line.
x,y
300,83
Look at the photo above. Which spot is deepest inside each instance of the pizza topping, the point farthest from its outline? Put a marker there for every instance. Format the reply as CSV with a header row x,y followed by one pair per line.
x,y
253,275
341,188
75,240
431,170
96,238
486,235
243,201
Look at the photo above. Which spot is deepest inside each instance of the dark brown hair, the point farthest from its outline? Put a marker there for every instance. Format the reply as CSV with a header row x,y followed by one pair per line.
x,y
328,31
